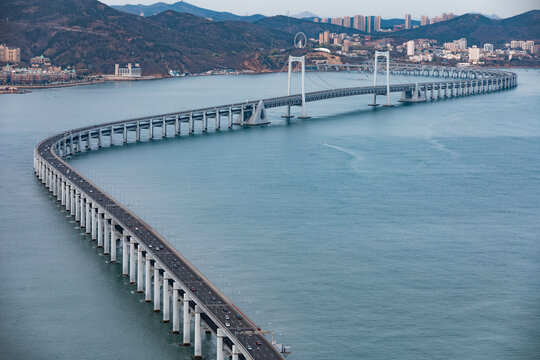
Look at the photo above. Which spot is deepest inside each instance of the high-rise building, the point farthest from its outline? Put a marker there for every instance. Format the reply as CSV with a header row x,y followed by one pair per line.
x,y
424,20
10,55
359,22
347,21
326,37
324,20
321,38
377,23
461,44
316,20
337,21
368,24
410,48
407,21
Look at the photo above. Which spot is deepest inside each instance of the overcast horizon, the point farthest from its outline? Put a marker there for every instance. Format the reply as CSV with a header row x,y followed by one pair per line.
x,y
384,8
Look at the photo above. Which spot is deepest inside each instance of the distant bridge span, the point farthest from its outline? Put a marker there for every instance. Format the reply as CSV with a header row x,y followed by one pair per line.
x,y
155,266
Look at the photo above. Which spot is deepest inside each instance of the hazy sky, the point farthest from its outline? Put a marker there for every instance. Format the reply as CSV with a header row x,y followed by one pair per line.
x,y
385,8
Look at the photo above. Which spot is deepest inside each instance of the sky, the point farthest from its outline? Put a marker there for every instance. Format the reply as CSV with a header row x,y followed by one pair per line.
x,y
385,8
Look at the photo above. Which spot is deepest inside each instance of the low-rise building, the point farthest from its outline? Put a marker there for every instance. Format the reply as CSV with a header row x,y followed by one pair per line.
x,y
128,71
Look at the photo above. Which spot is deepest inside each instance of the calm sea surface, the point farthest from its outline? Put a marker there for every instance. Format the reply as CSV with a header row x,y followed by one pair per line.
x,y
410,232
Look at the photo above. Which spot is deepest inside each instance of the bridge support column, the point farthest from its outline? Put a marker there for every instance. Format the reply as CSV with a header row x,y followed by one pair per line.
x,y
63,200
100,142
198,343
204,122
151,129
82,210
166,297
77,206
148,279
124,134
187,321
163,128
94,222
157,288
113,242
191,128
88,217
138,132
176,126
218,120
125,254
106,235
140,269
235,352
132,262
229,119
219,348
176,310
100,229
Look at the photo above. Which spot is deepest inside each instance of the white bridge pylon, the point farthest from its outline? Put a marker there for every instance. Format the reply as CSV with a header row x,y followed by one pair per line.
x,y
302,61
385,54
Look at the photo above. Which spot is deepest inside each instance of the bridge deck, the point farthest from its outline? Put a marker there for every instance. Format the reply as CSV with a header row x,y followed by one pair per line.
x,y
202,291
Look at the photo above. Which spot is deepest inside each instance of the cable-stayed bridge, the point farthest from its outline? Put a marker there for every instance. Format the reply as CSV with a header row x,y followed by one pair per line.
x,y
153,265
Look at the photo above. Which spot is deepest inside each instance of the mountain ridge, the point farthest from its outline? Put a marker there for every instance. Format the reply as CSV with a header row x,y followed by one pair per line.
x,y
181,6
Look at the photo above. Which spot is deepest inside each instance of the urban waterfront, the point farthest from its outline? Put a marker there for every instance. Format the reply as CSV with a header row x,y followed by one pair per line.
x,y
409,232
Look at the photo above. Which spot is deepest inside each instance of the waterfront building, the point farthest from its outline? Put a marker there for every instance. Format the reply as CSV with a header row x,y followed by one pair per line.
x,y
128,71
407,21
377,23
9,55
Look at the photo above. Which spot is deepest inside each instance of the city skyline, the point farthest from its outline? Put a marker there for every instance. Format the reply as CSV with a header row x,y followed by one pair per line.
x,y
385,8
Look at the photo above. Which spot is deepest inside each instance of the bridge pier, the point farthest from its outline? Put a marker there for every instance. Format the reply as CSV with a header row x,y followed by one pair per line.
x,y
88,218
77,206
229,118
100,229
176,310
219,344
204,122
187,321
140,269
132,262
157,288
190,124
235,352
94,222
198,343
82,211
113,242
138,132
163,128
166,297
125,254
151,129
63,201
106,235
148,279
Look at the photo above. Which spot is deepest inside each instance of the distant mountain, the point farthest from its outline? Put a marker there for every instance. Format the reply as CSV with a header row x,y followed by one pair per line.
x,y
305,15
184,7
310,28
90,35
479,29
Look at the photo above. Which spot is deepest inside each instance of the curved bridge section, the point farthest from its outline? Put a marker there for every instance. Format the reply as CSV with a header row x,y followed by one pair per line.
x,y
157,269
